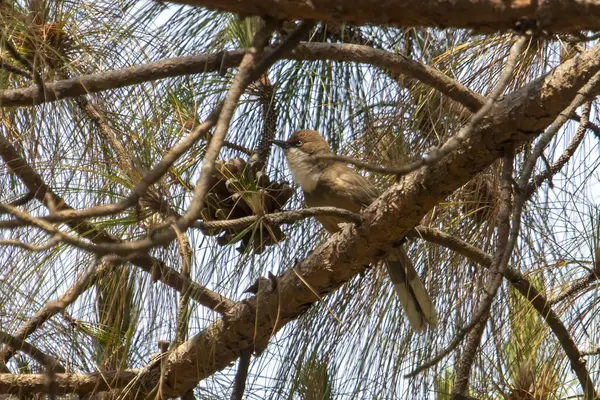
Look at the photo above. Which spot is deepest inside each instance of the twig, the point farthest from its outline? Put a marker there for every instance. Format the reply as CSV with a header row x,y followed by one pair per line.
x,y
482,314
17,56
593,127
51,363
265,91
32,247
504,248
565,156
451,144
582,96
234,146
537,299
575,288
56,306
49,228
239,384
284,217
21,201
591,352
37,77
183,313
5,65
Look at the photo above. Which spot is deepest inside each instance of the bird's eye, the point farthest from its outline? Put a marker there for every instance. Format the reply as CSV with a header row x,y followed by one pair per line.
x,y
298,143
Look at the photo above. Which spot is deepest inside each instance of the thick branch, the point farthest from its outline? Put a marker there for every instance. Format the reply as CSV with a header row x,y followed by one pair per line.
x,y
517,118
483,15
83,384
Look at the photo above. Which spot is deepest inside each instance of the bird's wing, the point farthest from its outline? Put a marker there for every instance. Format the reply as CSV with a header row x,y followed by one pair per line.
x,y
343,188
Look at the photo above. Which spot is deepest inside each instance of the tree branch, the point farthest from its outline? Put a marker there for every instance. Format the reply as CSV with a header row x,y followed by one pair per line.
x,y
554,15
51,363
517,118
82,384
205,63
565,157
504,248
283,217
152,265
239,384
537,299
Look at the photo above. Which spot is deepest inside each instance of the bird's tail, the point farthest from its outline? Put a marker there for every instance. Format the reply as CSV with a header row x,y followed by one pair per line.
x,y
413,295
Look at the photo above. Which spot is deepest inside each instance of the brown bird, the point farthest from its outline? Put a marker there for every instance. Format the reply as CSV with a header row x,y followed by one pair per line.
x,y
334,184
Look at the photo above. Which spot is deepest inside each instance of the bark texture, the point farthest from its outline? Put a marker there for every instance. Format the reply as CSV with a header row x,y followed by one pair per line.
x,y
517,118
481,15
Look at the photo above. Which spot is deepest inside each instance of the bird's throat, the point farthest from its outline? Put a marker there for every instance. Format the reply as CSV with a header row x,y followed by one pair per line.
x,y
305,171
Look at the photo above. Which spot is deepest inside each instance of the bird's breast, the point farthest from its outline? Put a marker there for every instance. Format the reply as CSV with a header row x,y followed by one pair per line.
x,y
304,170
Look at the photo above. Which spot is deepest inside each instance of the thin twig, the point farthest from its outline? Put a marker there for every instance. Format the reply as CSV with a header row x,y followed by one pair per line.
x,y
51,363
537,299
575,288
565,156
282,217
56,306
183,313
593,127
451,144
504,248
17,56
49,228
482,313
266,96
21,201
278,218
5,65
32,247
591,352
37,77
582,96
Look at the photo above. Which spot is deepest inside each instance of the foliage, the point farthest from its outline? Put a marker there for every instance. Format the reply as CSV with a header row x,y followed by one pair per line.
x,y
94,149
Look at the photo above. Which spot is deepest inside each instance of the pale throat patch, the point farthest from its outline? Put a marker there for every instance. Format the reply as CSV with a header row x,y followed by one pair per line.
x,y
304,170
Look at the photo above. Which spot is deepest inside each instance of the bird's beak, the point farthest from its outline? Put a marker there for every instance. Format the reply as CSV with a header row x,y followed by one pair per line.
x,y
281,143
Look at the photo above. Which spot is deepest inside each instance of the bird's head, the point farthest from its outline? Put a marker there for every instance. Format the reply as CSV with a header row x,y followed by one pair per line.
x,y
305,141
299,149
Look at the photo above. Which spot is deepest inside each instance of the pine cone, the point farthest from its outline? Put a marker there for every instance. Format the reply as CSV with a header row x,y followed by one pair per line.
x,y
240,189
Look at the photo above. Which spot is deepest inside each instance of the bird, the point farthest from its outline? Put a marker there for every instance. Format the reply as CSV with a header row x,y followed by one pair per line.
x,y
328,183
